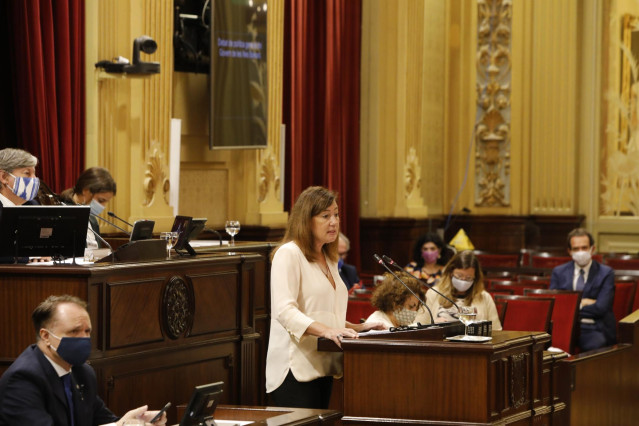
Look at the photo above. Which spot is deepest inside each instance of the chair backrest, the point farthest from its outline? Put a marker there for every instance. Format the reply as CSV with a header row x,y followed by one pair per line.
x,y
508,260
565,316
526,313
624,292
547,260
623,262
516,286
501,305
635,303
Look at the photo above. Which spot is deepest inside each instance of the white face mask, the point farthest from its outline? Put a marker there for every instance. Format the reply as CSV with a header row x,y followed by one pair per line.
x,y
461,285
582,258
405,316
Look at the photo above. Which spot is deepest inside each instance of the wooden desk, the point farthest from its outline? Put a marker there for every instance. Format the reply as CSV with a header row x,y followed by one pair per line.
x,y
420,378
273,416
159,328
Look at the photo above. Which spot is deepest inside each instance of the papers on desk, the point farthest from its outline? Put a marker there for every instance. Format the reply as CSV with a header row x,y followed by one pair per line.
x,y
230,422
372,332
207,243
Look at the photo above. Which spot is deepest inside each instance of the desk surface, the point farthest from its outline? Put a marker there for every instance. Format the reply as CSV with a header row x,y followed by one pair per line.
x,y
275,416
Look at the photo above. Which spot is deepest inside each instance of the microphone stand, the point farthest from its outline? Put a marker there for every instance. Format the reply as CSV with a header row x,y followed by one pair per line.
x,y
119,218
219,236
430,287
381,262
105,242
111,223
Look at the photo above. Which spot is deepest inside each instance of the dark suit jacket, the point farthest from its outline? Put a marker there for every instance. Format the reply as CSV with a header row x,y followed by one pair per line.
x,y
349,275
31,393
600,286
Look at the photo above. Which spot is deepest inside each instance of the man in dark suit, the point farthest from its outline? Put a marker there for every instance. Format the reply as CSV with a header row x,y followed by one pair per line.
x,y
347,272
596,281
49,383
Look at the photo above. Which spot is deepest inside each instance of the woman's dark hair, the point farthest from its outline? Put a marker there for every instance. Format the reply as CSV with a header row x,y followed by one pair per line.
x,y
311,202
96,180
391,293
431,237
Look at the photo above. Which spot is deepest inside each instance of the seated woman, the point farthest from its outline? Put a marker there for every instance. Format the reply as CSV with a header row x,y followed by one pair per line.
x,y
430,254
18,182
95,187
463,282
396,305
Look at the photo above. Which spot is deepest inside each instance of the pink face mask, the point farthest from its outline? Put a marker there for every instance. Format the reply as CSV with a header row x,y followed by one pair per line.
x,y
430,256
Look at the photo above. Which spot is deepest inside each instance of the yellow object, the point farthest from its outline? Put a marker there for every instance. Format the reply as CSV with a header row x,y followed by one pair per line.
x,y
461,241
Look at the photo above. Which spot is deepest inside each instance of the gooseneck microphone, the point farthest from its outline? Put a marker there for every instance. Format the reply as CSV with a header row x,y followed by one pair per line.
x,y
219,236
111,223
381,262
119,218
430,286
99,237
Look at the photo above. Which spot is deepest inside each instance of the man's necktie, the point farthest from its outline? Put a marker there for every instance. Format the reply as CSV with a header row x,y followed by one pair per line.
x,y
580,280
66,381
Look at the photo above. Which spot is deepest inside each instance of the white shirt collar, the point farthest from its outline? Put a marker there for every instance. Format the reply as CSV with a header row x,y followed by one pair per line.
x,y
585,268
6,202
58,368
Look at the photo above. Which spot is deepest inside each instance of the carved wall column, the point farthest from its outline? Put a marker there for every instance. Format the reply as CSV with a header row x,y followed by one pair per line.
x,y
402,107
492,131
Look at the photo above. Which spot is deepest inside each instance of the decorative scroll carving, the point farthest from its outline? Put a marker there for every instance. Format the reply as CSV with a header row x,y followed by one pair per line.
x,y
177,307
492,130
268,176
620,177
155,175
518,382
412,174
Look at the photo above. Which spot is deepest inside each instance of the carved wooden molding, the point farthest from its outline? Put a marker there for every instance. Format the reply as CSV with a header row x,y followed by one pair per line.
x,y
492,129
155,177
269,177
177,308
412,173
518,383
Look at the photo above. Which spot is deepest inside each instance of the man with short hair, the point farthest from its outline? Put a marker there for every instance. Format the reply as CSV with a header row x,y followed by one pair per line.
x,y
346,271
49,383
597,282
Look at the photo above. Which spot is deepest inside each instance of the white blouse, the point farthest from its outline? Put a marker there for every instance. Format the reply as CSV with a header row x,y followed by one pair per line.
x,y
300,295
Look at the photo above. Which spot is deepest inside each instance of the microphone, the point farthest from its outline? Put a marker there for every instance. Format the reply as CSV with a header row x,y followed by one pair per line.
x,y
431,287
50,194
381,262
119,218
98,236
219,236
112,224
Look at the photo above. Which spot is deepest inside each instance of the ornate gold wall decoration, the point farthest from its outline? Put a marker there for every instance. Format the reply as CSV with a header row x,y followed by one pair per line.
x,y
412,174
155,176
620,176
492,130
268,176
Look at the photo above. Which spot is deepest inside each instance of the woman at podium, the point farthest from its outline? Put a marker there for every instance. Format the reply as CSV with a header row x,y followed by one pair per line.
x,y
396,305
308,300
463,282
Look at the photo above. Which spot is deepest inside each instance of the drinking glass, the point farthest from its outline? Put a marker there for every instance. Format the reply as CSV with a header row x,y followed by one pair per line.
x,y
171,240
232,228
467,315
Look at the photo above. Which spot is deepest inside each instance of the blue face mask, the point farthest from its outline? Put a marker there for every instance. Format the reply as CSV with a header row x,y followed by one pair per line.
x,y
96,208
25,187
74,350
340,263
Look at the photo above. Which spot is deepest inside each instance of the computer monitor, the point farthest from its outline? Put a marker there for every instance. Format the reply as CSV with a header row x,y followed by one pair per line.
x,y
188,228
55,231
201,408
142,230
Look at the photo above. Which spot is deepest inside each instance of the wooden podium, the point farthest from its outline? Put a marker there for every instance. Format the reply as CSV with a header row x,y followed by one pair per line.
x,y
418,377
